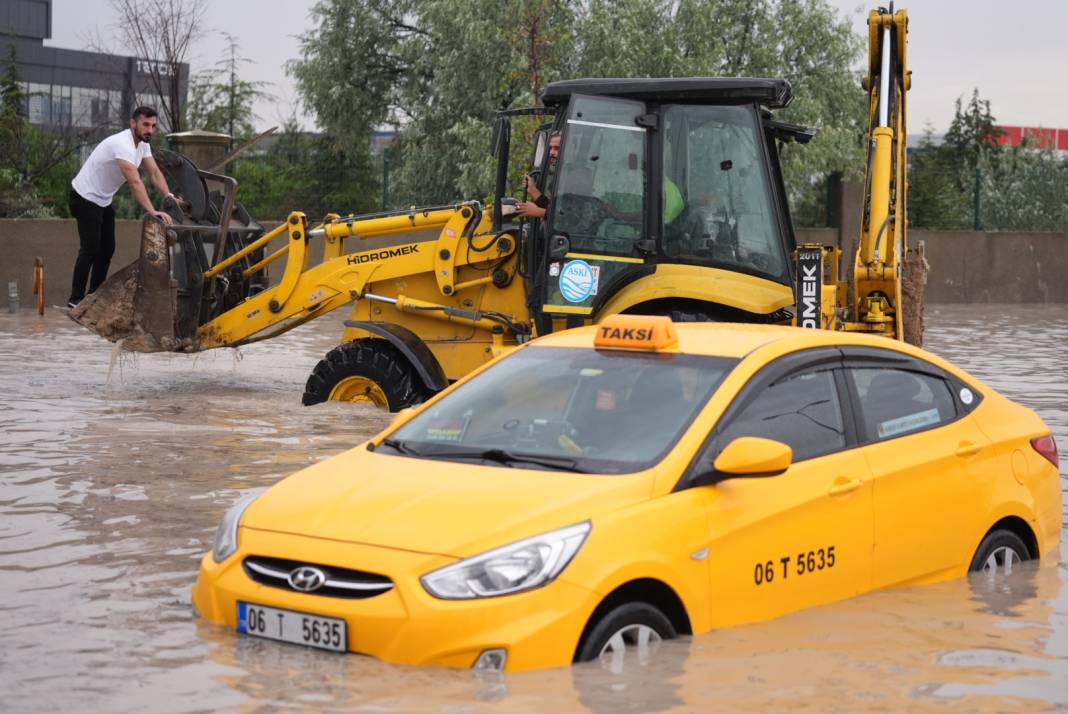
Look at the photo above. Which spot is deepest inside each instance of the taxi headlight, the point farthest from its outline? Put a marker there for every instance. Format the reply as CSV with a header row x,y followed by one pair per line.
x,y
226,534
524,565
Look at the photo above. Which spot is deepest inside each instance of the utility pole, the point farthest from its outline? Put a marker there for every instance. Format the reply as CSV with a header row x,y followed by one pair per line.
x,y
386,154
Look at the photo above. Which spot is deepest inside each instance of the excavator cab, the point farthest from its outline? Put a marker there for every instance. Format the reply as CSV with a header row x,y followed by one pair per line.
x,y
668,177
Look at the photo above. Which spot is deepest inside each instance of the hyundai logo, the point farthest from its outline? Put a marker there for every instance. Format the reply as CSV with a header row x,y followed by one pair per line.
x,y
306,579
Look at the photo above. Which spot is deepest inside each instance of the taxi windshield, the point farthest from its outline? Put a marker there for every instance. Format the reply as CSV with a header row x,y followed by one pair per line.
x,y
572,409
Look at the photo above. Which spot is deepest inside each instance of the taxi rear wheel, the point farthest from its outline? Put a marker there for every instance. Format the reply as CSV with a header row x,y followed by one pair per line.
x,y
630,633
999,553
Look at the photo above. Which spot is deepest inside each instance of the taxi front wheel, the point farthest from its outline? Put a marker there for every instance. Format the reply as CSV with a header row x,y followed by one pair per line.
x,y
999,552
630,633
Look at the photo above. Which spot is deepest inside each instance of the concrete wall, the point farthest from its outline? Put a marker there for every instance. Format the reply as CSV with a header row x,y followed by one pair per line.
x,y
965,266
57,243
976,267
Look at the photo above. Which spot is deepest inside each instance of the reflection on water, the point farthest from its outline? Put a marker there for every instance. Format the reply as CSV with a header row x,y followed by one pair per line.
x,y
110,489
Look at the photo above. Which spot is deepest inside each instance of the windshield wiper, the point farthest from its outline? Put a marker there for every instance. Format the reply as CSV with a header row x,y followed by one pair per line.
x,y
508,458
500,456
503,456
401,447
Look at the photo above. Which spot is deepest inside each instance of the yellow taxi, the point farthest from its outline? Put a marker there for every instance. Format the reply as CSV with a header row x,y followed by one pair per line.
x,y
604,488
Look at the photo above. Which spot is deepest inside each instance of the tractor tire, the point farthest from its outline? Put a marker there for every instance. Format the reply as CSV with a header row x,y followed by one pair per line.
x,y
370,371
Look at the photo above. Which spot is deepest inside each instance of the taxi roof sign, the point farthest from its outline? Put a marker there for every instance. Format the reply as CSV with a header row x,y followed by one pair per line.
x,y
636,332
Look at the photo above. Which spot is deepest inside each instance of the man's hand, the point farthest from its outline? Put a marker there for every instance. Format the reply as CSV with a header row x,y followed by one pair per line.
x,y
529,209
165,217
531,187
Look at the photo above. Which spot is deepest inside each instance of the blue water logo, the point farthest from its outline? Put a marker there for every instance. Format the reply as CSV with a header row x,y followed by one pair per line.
x,y
576,281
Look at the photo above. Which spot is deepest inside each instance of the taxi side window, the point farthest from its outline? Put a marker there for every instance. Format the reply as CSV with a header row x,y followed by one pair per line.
x,y
894,402
801,410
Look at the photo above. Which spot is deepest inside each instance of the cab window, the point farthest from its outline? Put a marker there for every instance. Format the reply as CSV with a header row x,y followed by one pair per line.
x,y
599,197
894,402
717,202
801,410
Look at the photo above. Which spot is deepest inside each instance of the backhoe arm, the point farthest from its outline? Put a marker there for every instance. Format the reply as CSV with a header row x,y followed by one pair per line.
x,y
876,277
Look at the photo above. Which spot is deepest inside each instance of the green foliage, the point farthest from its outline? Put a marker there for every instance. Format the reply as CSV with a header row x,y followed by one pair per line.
x,y
219,100
972,134
440,69
1014,188
937,199
1024,190
35,167
300,171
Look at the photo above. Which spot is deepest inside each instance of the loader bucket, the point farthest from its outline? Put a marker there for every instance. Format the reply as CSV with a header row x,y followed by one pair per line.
x,y
159,302
136,306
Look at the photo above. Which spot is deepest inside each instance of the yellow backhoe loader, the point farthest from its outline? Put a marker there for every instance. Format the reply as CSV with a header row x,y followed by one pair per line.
x,y
667,198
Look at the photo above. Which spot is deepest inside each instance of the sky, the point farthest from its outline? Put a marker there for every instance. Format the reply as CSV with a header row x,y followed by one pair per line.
x,y
1014,53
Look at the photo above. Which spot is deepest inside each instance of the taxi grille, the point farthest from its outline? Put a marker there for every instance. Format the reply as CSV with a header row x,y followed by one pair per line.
x,y
340,582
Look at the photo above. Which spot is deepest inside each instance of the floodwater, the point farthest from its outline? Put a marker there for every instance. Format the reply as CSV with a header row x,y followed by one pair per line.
x,y
111,488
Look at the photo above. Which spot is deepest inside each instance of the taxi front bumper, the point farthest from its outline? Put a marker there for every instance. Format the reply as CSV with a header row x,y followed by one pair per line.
x,y
538,628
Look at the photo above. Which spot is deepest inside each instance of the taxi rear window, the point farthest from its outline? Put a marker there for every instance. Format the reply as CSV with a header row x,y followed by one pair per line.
x,y
600,411
895,402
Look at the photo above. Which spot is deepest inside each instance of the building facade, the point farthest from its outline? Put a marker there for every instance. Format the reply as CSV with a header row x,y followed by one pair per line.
x,y
76,89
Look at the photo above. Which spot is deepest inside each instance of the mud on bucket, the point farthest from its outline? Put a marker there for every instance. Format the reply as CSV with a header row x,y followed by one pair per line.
x,y
136,306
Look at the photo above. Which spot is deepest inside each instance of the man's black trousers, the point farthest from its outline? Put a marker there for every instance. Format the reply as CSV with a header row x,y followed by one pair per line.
x,y
96,235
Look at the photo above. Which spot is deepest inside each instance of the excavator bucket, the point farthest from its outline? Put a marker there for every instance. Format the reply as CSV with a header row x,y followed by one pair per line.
x,y
136,305
157,303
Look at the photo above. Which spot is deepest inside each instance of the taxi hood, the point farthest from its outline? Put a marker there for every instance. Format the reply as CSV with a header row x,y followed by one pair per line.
x,y
453,508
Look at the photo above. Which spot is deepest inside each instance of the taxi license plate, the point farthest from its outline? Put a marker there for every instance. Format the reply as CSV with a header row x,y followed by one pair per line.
x,y
300,628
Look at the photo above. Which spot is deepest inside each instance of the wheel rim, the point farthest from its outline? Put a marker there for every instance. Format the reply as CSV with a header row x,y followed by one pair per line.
x,y
1001,561
360,390
640,640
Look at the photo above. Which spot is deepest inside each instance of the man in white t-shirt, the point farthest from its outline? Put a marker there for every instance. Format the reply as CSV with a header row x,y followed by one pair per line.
x,y
114,160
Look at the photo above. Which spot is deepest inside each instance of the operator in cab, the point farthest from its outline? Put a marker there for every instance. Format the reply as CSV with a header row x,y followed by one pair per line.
x,y
539,203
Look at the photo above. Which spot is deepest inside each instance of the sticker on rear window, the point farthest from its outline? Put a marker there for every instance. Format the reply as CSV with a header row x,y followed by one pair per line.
x,y
910,422
966,395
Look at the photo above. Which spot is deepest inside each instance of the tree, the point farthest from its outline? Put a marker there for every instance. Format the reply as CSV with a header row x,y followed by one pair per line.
x,y
35,166
936,197
943,177
219,100
438,70
1024,190
161,32
973,132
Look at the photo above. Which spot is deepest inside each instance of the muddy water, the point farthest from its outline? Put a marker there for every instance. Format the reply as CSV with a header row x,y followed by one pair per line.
x,y
110,489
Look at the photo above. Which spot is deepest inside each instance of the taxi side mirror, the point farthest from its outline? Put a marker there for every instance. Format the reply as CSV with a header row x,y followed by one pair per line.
x,y
752,456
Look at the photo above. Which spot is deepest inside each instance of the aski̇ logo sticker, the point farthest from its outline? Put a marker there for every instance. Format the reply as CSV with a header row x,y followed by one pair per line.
x,y
578,280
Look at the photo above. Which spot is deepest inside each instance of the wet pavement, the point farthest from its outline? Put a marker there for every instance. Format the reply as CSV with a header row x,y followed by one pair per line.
x,y
114,472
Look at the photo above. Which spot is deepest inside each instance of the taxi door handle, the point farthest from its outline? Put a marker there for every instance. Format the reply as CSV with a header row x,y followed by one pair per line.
x,y
842,486
968,448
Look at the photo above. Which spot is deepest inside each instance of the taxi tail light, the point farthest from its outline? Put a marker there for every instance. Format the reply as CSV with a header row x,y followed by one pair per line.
x,y
1046,446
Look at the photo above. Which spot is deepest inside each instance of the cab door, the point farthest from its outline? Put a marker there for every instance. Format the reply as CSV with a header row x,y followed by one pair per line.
x,y
804,537
932,469
597,204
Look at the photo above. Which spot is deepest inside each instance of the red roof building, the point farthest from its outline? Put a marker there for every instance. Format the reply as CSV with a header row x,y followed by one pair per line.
x,y
1037,137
